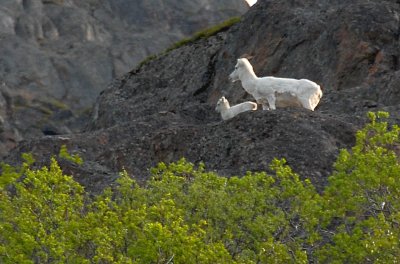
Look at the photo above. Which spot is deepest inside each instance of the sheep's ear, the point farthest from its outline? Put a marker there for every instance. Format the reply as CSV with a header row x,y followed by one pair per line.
x,y
247,56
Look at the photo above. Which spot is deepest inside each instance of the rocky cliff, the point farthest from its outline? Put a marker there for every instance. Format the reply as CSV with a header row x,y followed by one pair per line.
x,y
57,55
164,110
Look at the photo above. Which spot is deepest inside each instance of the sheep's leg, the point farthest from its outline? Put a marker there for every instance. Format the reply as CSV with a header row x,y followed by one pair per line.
x,y
263,103
310,105
314,100
306,103
271,101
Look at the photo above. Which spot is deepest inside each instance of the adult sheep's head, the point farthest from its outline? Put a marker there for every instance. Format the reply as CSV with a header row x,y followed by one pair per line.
x,y
241,67
234,76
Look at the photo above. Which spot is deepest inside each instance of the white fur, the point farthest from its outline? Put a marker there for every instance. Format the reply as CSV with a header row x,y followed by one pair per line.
x,y
228,112
267,89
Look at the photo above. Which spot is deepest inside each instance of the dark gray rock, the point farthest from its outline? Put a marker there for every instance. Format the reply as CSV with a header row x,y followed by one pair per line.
x,y
249,142
59,54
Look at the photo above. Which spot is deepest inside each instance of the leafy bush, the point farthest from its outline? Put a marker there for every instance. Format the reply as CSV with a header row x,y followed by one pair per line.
x,y
40,216
185,214
64,154
362,200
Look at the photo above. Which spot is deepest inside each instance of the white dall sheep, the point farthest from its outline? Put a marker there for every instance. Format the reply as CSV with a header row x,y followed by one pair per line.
x,y
228,112
266,89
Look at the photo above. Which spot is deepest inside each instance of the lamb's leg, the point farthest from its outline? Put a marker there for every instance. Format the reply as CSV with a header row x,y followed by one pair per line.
x,y
271,101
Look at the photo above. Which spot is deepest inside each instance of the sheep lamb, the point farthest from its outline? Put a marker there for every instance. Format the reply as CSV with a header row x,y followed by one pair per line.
x,y
266,89
228,112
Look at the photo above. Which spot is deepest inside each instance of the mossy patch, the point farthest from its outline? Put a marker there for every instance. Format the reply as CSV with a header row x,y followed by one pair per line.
x,y
202,34
57,2
205,33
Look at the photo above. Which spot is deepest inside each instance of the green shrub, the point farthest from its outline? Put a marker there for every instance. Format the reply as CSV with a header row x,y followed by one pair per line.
x,y
64,154
185,214
363,198
38,222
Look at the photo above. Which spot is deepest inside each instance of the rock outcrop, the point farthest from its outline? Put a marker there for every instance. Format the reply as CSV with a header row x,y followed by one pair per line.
x,y
57,55
164,110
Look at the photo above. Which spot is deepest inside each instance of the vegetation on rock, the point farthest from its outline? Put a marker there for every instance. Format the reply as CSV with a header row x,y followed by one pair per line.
x,y
205,33
64,154
185,214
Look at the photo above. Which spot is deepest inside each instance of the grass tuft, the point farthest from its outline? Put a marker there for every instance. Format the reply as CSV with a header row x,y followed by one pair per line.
x,y
202,34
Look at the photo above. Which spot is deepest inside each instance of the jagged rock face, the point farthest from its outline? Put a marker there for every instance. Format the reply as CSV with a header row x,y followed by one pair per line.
x,y
353,57
57,55
165,110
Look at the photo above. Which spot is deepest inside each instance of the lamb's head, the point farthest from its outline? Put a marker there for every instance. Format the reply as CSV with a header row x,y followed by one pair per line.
x,y
222,104
241,65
